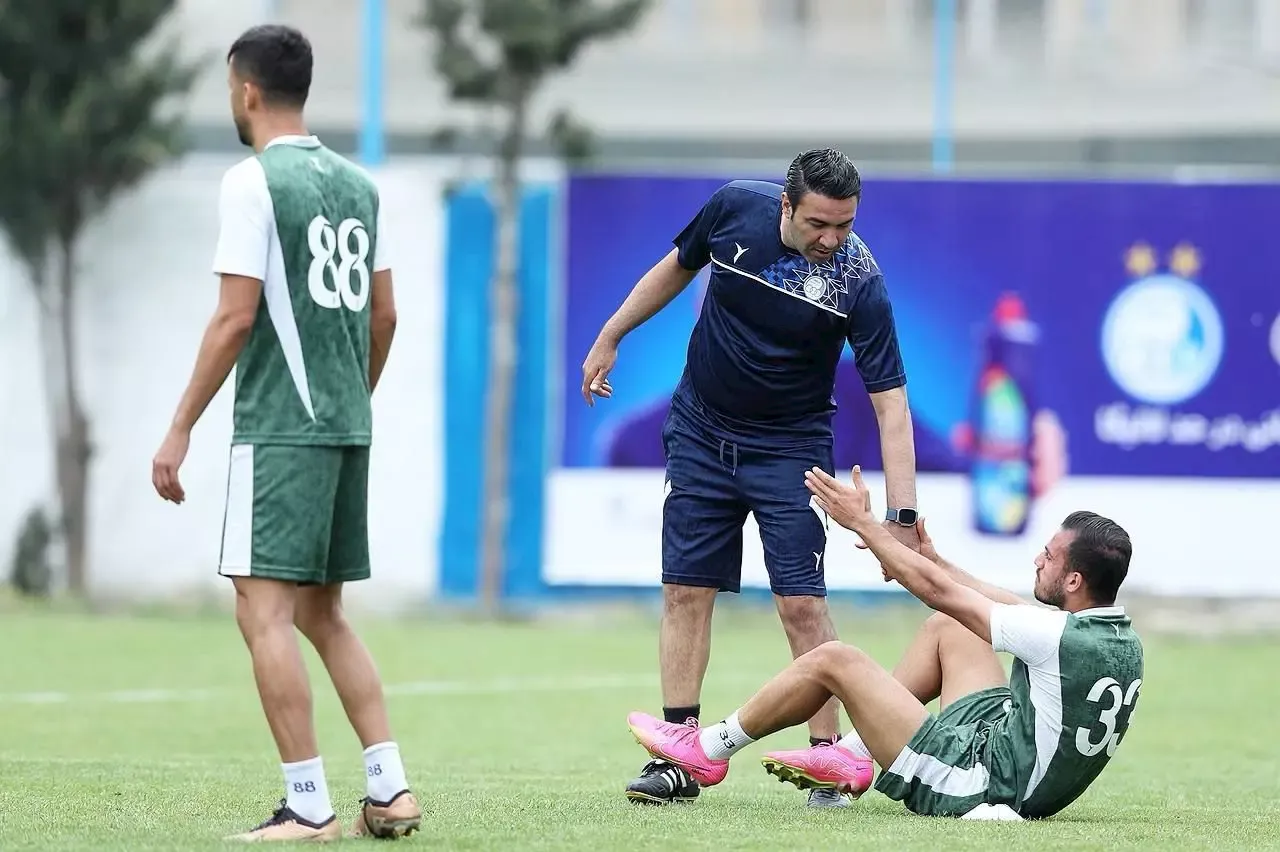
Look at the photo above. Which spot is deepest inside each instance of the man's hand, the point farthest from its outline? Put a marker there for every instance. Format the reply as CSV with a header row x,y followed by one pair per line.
x,y
595,371
850,507
927,550
164,467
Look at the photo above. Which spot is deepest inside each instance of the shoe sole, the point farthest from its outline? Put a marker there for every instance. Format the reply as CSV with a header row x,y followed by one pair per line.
x,y
638,798
387,829
804,780
318,838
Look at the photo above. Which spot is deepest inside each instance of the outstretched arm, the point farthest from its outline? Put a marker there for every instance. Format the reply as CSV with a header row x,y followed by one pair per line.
x,y
666,280
873,336
961,576
933,585
654,291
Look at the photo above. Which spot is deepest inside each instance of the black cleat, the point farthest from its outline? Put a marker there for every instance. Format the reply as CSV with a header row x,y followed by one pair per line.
x,y
661,783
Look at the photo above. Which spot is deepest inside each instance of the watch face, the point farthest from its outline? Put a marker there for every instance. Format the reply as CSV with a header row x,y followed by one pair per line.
x,y
907,517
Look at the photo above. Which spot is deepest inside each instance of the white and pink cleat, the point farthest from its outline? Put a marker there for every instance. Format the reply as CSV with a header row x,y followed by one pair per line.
x,y
677,744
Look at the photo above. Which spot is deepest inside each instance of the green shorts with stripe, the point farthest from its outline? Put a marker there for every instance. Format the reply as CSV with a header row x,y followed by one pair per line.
x,y
297,513
940,772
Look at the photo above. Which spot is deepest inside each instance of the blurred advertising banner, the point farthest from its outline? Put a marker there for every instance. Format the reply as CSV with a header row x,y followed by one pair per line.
x,y
1100,345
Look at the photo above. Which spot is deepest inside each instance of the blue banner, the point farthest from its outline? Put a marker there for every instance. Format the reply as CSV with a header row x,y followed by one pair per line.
x,y
1118,329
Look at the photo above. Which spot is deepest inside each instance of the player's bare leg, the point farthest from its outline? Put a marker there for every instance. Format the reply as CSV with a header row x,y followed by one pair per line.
x,y
684,651
389,809
883,711
947,660
320,618
264,613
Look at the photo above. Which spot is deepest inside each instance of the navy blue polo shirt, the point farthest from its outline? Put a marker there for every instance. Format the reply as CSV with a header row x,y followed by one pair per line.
x,y
762,357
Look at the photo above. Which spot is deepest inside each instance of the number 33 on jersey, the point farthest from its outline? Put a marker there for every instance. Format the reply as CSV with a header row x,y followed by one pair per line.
x,y
306,223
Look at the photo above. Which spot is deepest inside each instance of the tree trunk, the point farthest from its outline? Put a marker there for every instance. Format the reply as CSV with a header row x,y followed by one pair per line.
x,y
66,411
504,310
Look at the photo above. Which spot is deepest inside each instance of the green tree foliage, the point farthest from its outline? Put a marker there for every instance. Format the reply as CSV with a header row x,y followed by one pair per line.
x,y
495,54
82,83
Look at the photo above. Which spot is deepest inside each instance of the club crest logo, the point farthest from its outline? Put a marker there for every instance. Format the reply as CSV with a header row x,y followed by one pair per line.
x,y
1162,336
815,287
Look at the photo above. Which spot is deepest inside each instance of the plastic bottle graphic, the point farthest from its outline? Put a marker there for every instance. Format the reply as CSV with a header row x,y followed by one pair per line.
x,y
1003,407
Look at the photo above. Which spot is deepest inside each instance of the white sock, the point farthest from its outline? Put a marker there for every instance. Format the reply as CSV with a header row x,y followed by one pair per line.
x,y
306,791
853,743
384,771
724,740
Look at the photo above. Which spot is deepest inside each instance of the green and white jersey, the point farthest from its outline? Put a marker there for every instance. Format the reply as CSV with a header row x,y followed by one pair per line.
x,y
1075,682
307,223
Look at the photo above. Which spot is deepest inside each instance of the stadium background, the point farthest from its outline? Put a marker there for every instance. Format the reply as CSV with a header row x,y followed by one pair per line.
x,y
1071,151
1079,132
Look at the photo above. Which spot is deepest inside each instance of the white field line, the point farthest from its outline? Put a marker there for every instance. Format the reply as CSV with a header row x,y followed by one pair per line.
x,y
498,686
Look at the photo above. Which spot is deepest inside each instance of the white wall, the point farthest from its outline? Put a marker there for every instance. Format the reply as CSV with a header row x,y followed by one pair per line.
x,y
1190,536
147,292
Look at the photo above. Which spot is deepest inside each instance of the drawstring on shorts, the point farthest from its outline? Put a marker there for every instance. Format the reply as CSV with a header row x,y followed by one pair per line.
x,y
733,455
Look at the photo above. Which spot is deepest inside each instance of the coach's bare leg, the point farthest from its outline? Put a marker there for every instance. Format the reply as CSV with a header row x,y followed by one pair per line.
x,y
883,711
684,642
319,616
807,621
264,612
947,660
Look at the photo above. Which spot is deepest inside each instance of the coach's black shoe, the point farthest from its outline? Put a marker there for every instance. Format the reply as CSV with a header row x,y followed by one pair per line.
x,y
661,783
827,798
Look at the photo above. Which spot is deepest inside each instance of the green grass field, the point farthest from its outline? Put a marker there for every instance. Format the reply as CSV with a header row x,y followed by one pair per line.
x,y
144,732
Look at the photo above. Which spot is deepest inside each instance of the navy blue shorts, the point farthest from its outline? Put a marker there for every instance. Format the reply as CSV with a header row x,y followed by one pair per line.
x,y
710,487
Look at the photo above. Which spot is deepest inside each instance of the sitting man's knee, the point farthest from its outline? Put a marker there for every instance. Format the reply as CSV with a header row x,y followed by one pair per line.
x,y
940,622
832,654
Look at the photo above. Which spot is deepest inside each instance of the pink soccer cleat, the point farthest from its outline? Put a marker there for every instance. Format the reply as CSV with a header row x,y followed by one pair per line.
x,y
677,744
822,767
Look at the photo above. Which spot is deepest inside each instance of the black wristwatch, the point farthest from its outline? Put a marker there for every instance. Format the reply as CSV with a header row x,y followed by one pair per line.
x,y
904,517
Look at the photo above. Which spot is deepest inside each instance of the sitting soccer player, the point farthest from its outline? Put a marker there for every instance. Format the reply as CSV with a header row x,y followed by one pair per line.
x,y
1032,744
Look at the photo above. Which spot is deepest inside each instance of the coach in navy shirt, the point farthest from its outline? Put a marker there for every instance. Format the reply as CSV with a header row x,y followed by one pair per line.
x,y
790,284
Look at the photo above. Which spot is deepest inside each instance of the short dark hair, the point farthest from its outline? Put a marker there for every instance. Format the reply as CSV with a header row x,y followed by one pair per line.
x,y
1100,551
278,59
827,172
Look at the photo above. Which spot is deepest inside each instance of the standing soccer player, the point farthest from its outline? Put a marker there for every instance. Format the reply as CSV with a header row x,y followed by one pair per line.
x,y
306,314
790,284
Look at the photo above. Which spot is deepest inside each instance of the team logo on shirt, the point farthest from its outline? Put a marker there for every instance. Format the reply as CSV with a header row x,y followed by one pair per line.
x,y
815,287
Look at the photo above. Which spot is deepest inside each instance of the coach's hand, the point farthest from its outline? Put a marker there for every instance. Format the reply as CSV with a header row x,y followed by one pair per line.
x,y
595,371
164,467
850,507
927,550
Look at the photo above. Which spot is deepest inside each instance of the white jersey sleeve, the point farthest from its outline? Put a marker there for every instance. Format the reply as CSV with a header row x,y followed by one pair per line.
x,y
245,222
381,252
1030,633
